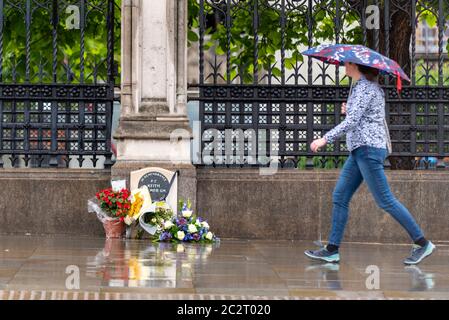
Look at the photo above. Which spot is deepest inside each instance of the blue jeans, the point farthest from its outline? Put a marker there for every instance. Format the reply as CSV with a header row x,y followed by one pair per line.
x,y
366,163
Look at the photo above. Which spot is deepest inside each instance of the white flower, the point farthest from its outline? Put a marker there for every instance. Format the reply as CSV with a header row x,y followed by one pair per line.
x,y
187,213
204,224
168,224
192,228
180,235
209,235
153,221
129,220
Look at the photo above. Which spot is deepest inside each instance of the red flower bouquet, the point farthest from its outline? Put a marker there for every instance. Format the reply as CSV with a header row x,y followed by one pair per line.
x,y
115,203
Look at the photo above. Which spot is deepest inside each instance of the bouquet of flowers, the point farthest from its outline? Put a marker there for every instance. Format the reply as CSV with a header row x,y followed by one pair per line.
x,y
140,202
111,207
119,208
115,204
187,227
154,218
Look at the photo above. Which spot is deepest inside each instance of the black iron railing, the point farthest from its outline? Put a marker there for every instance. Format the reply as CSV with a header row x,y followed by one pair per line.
x,y
57,77
253,79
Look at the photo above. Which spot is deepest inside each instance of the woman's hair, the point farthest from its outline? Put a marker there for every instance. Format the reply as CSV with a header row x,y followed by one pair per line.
x,y
370,73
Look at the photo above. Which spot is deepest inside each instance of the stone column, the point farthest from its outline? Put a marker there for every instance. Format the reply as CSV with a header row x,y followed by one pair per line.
x,y
153,127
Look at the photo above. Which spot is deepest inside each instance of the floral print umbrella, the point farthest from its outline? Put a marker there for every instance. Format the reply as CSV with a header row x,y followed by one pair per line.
x,y
338,54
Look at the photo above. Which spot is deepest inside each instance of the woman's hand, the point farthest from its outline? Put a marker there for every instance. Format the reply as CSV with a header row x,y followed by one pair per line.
x,y
317,144
343,108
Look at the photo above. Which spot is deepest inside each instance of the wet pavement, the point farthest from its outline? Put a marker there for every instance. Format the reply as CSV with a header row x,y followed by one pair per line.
x,y
33,267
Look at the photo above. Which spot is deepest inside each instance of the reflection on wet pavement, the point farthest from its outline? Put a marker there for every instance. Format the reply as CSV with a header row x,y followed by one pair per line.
x,y
146,265
232,267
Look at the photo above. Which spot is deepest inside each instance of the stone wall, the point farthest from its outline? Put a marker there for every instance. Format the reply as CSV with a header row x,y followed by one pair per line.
x,y
238,203
50,201
295,204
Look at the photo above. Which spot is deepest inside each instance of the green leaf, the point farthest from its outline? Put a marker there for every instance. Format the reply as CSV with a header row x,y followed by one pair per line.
x,y
430,18
208,45
276,72
192,36
219,51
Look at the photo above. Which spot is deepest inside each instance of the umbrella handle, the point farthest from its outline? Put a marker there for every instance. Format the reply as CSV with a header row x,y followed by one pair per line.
x,y
398,83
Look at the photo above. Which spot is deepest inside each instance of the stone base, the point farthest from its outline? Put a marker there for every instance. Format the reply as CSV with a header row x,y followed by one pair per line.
x,y
294,204
238,203
186,178
50,201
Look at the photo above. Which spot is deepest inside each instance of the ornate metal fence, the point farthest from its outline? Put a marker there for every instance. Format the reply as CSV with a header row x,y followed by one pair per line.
x,y
56,82
252,78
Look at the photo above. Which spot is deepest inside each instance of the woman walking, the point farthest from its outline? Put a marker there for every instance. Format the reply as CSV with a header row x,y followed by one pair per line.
x,y
366,138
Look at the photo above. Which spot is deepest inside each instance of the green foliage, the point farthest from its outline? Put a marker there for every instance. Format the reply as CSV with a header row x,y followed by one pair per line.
x,y
429,15
430,77
318,162
68,44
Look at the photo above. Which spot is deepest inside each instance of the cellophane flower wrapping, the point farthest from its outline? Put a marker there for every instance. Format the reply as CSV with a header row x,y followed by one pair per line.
x,y
93,206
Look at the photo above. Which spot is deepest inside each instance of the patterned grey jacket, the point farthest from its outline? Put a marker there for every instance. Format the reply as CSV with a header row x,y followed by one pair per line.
x,y
365,114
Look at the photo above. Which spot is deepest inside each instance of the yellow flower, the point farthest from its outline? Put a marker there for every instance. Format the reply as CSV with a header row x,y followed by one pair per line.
x,y
136,205
140,199
162,205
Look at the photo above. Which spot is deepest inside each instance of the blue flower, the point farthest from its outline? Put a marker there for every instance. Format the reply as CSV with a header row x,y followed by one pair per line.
x,y
187,237
165,236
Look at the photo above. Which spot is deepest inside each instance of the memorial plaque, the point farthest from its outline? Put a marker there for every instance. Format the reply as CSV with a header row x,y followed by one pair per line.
x,y
157,183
